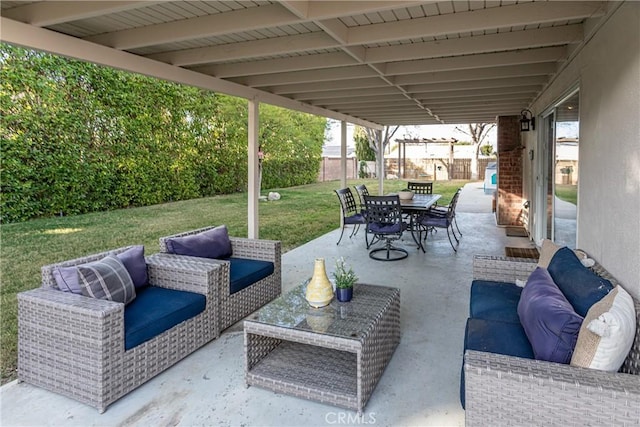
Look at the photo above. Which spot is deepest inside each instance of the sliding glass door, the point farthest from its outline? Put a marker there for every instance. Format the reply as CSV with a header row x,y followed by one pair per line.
x,y
557,178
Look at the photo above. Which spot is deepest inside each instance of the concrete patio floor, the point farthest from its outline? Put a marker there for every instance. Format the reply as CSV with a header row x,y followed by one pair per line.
x,y
420,387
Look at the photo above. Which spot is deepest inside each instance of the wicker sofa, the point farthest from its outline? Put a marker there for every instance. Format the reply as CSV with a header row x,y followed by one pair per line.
x,y
234,306
502,390
75,345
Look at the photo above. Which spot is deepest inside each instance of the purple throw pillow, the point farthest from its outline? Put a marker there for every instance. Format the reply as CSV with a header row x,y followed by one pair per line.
x,y
212,243
134,262
67,279
550,322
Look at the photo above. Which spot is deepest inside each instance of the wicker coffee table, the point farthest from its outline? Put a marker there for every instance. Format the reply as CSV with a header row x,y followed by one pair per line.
x,y
335,354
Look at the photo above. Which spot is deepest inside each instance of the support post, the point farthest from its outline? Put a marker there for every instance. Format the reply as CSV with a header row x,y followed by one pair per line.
x,y
343,154
380,160
253,172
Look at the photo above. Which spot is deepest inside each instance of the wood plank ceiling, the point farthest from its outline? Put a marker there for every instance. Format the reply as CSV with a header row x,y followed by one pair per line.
x,y
386,62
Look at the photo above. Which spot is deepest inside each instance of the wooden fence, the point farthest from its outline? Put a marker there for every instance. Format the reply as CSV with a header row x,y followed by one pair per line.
x,y
430,169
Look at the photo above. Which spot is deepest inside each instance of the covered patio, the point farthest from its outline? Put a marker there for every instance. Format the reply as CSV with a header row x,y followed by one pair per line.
x,y
419,387
376,64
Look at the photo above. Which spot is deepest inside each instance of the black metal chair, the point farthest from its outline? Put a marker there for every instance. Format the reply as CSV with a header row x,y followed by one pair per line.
x,y
362,191
351,214
443,217
443,209
420,187
384,222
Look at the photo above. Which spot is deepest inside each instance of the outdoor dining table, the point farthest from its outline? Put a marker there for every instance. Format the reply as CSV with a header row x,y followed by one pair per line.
x,y
418,204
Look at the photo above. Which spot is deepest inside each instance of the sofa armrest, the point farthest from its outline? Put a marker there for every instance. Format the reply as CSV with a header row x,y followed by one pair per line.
x,y
502,269
504,391
260,249
66,336
190,274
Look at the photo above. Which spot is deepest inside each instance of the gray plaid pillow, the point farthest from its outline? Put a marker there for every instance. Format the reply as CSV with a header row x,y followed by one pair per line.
x,y
107,279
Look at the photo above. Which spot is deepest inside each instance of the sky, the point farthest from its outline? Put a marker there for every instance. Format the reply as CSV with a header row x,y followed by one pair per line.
x,y
427,131
563,129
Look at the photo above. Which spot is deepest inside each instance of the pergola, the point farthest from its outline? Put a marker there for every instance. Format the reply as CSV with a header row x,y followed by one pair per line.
x,y
371,63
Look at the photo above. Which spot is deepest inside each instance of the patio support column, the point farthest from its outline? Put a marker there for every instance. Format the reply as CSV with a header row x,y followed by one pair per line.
x,y
253,169
380,159
343,154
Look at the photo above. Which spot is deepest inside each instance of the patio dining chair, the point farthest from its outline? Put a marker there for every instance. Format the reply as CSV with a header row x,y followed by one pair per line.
x,y
384,222
351,214
420,187
443,209
440,218
362,191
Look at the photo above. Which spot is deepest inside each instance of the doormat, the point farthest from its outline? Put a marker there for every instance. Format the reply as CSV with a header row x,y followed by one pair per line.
x,y
521,252
516,232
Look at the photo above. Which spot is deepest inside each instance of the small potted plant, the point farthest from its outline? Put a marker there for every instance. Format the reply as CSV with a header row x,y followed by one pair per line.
x,y
344,278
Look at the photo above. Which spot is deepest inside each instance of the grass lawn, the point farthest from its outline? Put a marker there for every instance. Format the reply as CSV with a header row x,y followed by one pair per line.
x,y
568,193
303,214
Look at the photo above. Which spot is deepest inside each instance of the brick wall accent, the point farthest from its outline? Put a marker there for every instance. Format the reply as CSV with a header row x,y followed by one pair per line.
x,y
509,205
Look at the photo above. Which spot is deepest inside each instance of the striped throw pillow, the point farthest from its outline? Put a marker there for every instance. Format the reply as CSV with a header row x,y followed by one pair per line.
x,y
107,279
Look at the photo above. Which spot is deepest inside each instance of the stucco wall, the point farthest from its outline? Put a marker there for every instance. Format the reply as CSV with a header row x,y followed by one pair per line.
x,y
608,72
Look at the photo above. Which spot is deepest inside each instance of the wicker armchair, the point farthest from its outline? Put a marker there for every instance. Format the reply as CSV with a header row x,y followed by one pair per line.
x,y
504,391
236,306
75,345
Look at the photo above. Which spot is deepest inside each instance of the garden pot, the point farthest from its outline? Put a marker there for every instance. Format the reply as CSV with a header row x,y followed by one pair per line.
x,y
344,294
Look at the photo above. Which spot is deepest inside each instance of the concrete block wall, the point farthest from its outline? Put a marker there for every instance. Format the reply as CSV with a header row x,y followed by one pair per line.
x,y
509,209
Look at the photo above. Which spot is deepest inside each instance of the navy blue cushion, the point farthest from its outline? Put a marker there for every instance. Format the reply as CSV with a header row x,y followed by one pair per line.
x,y
435,221
354,219
156,310
548,319
494,337
213,243
494,301
379,227
580,286
245,272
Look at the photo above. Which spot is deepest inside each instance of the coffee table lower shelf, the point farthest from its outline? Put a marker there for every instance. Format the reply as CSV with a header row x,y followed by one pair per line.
x,y
310,372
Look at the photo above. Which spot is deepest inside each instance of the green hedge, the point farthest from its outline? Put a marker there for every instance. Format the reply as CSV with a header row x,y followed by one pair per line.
x,y
77,138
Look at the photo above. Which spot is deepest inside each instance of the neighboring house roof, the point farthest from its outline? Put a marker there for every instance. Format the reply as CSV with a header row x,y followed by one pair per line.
x,y
334,151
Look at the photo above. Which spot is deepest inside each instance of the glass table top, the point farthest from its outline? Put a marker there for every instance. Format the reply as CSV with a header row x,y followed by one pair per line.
x,y
341,319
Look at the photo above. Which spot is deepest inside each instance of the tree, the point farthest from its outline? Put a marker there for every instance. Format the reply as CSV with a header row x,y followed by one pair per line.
x,y
478,132
378,142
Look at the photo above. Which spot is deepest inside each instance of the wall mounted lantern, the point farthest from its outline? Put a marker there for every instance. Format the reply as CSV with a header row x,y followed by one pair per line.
x,y
527,121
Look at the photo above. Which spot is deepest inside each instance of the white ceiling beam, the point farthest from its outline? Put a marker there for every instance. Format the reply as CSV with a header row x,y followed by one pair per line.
x,y
371,82
516,57
473,107
327,74
545,68
32,37
280,65
478,44
366,100
478,99
462,93
317,96
250,49
47,13
477,20
477,84
241,20
316,10
340,32
398,110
